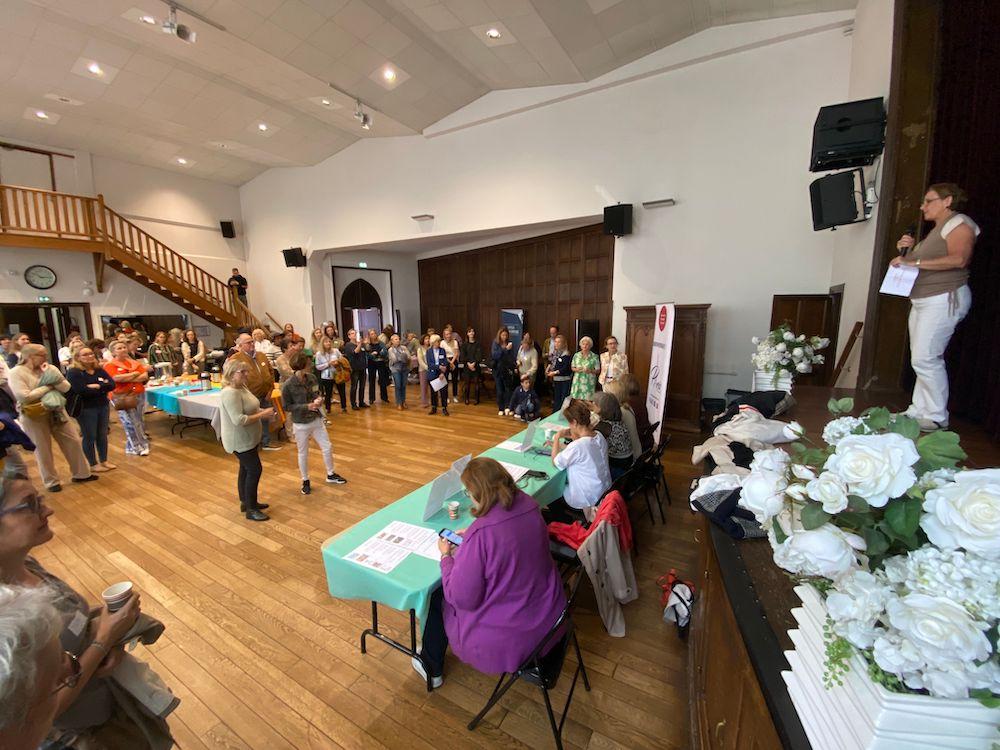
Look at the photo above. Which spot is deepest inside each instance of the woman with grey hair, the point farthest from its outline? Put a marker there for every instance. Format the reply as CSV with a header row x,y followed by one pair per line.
x,y
586,365
612,426
38,388
33,666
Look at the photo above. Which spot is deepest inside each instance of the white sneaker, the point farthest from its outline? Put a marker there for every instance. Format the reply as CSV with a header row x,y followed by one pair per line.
x,y
500,413
144,452
418,667
454,399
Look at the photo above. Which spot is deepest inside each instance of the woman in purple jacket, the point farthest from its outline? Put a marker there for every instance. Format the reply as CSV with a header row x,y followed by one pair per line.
x,y
500,590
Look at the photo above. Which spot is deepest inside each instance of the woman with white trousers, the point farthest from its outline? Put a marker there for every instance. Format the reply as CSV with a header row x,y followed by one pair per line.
x,y
940,297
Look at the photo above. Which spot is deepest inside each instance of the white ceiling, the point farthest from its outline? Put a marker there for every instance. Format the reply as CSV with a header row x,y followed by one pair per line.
x,y
160,99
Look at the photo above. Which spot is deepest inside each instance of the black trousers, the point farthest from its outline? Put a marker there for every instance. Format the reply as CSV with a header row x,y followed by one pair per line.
x,y
248,478
560,392
358,379
439,396
327,386
472,379
379,371
435,641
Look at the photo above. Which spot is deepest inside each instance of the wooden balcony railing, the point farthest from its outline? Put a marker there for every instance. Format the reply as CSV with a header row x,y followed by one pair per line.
x,y
73,221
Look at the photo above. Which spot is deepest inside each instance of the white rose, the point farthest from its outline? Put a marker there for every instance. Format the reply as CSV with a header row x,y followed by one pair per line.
x,y
793,430
772,460
941,630
830,490
797,352
755,340
875,467
965,514
800,471
946,683
855,606
837,429
803,367
896,655
826,551
788,336
763,494
780,347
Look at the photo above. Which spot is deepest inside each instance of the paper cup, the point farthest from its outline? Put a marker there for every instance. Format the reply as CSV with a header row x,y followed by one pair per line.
x,y
453,507
116,595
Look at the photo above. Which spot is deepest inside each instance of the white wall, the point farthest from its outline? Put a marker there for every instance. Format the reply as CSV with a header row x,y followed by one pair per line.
x,y
121,295
854,245
404,295
728,137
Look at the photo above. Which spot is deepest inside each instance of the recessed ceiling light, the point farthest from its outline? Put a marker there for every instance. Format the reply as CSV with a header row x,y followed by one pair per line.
x,y
325,102
147,19
223,146
389,74
262,127
181,160
95,69
41,114
493,33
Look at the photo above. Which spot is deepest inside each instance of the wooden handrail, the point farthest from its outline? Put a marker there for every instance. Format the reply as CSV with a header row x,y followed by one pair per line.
x,y
81,219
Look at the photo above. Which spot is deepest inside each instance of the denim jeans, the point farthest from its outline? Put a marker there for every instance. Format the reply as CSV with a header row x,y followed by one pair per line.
x,y
94,428
399,383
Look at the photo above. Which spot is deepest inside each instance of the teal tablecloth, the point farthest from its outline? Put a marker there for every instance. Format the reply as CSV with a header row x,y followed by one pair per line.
x,y
167,397
411,583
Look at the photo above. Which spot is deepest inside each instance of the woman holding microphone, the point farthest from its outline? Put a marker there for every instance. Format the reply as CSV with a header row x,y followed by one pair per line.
x,y
940,297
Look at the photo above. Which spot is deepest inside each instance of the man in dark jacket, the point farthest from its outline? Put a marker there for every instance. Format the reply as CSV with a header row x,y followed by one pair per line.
x,y
357,354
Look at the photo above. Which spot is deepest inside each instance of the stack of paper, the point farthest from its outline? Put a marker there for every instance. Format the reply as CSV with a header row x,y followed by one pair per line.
x,y
393,544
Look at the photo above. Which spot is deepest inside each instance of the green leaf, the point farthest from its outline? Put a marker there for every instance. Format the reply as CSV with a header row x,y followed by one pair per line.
x,y
779,533
855,521
813,516
903,516
845,405
905,426
798,447
858,504
984,696
833,407
877,418
940,450
875,541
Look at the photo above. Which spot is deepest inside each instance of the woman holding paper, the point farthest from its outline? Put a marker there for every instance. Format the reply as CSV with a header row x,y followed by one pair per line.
x,y
437,372
940,297
500,590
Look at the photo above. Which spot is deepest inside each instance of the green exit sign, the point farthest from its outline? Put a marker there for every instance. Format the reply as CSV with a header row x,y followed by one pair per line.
x,y
44,298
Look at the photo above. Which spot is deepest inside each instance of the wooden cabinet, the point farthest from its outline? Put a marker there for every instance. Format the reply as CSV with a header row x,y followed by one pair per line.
x,y
687,360
727,707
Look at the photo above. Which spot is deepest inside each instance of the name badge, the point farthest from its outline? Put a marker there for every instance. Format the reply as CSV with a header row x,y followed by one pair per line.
x,y
77,624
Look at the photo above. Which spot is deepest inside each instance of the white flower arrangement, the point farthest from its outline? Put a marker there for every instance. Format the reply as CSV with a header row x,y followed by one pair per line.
x,y
905,546
783,351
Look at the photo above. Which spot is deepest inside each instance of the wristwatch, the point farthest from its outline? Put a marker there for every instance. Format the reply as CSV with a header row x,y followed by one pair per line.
x,y
918,263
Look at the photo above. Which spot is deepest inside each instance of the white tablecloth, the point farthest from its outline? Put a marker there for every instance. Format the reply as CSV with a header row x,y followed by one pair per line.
x,y
204,406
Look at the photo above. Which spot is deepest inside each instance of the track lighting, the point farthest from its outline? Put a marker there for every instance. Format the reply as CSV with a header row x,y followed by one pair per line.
x,y
363,117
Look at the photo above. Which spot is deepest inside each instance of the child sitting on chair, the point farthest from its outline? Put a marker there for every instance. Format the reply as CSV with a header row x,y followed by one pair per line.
x,y
524,404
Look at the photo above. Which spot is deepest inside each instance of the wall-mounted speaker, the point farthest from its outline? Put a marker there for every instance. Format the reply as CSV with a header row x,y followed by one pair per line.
x,y
228,229
848,135
618,219
294,257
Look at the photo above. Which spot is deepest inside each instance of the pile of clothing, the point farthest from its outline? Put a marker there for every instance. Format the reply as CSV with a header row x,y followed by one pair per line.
x,y
745,427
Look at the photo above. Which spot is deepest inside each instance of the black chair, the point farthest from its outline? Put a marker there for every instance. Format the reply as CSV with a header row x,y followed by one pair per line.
x,y
647,434
544,671
651,462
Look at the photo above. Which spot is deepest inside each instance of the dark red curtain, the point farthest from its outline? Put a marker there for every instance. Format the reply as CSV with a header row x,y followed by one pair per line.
x,y
966,151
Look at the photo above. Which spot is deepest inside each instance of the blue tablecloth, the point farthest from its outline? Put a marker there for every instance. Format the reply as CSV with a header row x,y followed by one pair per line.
x,y
167,397
411,583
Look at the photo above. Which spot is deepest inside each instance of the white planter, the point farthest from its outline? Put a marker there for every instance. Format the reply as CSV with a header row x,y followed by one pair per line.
x,y
862,715
763,380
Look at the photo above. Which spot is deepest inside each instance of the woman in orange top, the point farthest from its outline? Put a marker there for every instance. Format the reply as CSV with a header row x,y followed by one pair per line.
x,y
129,377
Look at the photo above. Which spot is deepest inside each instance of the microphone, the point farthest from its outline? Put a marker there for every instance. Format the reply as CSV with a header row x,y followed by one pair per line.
x,y
912,232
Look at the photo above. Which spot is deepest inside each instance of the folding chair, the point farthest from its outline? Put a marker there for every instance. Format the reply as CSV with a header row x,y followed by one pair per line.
x,y
544,671
647,434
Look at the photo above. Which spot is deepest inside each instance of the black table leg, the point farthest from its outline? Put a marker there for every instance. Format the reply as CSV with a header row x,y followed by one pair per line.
x,y
411,651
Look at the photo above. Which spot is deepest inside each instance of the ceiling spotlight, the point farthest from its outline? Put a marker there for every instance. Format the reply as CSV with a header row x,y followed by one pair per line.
x,y
41,115
493,33
262,127
363,117
389,74
181,160
325,102
95,69
147,19
179,30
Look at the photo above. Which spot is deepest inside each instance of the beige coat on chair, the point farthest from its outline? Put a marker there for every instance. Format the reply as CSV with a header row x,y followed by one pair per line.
x,y
611,574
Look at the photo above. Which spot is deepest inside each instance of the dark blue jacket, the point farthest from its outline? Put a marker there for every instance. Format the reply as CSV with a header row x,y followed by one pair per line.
x,y
563,365
527,398
436,356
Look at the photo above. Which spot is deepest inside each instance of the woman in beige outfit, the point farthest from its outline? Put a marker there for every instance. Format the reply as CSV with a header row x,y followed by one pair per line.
x,y
42,424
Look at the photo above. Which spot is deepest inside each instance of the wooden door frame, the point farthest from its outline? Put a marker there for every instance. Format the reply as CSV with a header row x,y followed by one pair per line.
x,y
336,302
49,306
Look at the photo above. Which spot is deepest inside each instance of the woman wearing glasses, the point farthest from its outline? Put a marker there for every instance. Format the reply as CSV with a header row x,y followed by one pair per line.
x,y
940,297
85,706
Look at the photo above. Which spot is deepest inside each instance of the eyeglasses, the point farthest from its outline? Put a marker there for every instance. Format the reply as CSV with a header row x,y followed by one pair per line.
x,y
34,503
925,201
73,678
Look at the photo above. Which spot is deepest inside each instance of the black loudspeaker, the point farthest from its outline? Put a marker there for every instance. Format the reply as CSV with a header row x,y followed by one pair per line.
x,y
848,135
228,229
294,257
618,219
837,199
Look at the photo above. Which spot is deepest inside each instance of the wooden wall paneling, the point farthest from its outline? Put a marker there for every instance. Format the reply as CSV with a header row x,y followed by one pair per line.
x,y
554,279
813,315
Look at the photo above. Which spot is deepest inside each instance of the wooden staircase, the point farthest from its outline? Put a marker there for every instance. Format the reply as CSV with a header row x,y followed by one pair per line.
x,y
60,221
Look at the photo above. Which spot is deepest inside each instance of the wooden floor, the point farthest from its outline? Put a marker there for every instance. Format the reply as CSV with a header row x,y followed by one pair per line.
x,y
262,656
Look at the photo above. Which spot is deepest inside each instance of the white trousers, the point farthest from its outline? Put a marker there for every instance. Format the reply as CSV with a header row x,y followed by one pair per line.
x,y
317,431
932,322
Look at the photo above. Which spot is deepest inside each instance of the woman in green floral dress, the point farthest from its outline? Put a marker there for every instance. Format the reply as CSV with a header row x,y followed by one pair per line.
x,y
586,365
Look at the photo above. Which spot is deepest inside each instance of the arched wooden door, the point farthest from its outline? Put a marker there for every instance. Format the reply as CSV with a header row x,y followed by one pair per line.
x,y
362,297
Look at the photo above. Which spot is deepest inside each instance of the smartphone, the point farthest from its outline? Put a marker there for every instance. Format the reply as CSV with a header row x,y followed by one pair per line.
x,y
450,536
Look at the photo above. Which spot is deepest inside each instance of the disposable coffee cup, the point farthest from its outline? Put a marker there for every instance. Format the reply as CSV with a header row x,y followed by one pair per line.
x,y
116,595
453,507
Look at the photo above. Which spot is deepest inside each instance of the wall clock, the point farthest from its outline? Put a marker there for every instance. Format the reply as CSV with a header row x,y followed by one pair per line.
x,y
40,277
